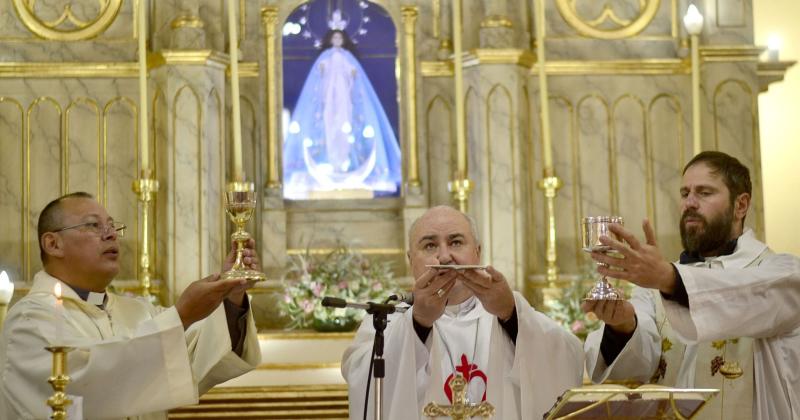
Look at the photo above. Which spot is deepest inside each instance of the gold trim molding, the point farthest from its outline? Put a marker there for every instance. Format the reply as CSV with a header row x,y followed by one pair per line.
x,y
199,57
246,70
436,68
499,56
729,53
496,21
187,21
299,366
83,29
616,67
67,70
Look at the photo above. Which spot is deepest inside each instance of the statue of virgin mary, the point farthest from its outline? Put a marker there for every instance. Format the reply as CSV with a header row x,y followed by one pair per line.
x,y
339,137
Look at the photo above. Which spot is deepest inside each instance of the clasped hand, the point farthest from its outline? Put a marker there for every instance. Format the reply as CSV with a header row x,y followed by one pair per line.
x,y
433,288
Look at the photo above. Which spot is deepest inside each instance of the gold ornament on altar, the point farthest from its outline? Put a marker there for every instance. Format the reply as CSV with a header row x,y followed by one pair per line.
x,y
607,24
59,380
240,203
67,26
460,409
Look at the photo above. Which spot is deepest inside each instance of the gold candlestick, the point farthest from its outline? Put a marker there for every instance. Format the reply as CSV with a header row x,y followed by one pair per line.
x,y
240,202
145,188
59,380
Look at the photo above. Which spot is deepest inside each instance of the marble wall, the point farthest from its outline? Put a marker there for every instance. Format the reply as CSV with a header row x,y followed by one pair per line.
x,y
619,102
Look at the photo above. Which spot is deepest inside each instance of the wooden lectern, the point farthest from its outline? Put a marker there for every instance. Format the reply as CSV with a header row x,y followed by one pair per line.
x,y
649,402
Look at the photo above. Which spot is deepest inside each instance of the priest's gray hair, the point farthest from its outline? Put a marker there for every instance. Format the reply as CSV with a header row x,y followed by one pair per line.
x,y
473,225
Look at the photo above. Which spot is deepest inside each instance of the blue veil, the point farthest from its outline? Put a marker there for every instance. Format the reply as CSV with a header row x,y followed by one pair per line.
x,y
369,156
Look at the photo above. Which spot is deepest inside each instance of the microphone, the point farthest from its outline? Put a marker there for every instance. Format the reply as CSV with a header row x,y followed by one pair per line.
x,y
401,297
370,307
334,302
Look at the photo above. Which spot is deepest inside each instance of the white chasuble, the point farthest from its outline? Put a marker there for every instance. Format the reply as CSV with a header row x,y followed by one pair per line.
x,y
131,360
521,381
743,308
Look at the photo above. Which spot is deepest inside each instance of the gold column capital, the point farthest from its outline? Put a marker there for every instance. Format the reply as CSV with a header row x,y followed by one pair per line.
x,y
269,15
409,12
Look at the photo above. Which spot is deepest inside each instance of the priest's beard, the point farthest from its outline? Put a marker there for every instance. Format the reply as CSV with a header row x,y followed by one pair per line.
x,y
710,236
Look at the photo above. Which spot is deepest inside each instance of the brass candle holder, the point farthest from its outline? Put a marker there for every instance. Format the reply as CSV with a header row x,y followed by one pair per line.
x,y
58,402
240,203
146,188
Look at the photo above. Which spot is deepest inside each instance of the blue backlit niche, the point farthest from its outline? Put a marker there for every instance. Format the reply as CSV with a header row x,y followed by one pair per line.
x,y
340,99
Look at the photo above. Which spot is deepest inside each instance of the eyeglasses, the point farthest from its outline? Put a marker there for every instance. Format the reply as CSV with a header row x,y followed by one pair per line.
x,y
98,228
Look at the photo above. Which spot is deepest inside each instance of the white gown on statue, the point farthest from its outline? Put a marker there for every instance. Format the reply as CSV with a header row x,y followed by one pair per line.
x,y
132,360
522,381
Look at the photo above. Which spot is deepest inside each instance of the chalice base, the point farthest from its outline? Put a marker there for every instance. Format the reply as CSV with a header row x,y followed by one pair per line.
x,y
604,291
252,276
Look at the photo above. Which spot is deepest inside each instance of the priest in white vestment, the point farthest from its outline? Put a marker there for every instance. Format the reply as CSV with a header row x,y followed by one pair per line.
x,y
466,322
726,316
131,359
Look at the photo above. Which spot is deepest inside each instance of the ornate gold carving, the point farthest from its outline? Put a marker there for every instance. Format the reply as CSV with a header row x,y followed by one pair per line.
x,y
496,21
409,34
523,58
653,66
269,20
77,30
594,27
187,21
730,53
199,57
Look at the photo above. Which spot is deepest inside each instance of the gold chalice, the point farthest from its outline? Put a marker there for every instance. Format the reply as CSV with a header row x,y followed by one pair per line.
x,y
240,203
592,228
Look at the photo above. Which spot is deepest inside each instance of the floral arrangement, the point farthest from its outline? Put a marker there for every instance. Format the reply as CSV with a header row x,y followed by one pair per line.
x,y
342,273
567,309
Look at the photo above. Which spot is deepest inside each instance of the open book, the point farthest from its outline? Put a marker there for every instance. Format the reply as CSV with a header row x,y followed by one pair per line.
x,y
608,401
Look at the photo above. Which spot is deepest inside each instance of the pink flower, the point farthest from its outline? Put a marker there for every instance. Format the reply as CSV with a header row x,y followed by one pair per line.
x,y
577,326
377,287
342,285
316,288
307,306
287,298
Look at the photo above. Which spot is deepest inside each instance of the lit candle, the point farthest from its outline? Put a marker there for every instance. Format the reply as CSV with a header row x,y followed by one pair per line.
x,y
143,147
693,21
238,174
6,288
59,315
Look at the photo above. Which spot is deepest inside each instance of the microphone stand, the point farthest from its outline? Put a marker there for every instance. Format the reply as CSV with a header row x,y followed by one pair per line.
x,y
380,319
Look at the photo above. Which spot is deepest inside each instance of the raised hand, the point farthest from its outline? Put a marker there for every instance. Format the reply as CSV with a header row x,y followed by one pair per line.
x,y
203,296
492,289
617,314
431,290
641,264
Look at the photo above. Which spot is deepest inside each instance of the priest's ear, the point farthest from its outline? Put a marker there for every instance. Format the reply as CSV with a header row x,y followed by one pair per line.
x,y
51,245
740,206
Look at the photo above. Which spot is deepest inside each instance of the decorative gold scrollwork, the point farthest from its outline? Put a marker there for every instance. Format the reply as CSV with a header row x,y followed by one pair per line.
x,y
67,26
625,28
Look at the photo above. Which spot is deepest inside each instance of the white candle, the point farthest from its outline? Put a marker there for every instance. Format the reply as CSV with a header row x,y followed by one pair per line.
x,y
6,288
59,315
238,174
143,142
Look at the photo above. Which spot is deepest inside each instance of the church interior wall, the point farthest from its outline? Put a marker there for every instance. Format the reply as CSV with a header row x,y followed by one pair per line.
x,y
620,120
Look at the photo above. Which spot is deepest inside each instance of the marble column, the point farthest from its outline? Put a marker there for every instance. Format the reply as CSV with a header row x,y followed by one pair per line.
x,y
190,121
496,114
